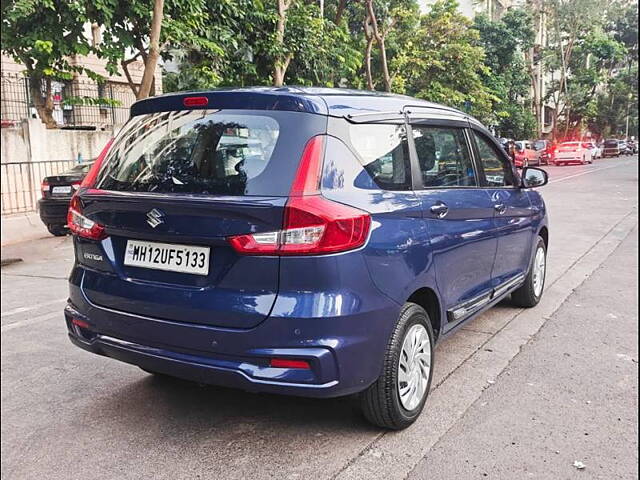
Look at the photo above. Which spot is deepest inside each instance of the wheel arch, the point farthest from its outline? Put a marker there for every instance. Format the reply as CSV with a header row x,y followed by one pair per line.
x,y
428,299
544,233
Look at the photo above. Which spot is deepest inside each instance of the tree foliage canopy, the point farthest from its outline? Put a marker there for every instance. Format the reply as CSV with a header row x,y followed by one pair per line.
x,y
483,66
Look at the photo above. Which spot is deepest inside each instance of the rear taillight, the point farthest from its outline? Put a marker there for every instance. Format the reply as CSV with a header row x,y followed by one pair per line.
x,y
92,175
81,225
44,187
313,225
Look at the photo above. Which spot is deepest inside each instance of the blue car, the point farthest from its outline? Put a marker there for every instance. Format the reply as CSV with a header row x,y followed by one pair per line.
x,y
311,242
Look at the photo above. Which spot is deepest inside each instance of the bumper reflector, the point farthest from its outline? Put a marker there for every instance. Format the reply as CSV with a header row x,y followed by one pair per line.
x,y
79,323
288,363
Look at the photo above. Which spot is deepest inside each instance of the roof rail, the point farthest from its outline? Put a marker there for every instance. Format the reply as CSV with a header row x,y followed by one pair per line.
x,y
369,117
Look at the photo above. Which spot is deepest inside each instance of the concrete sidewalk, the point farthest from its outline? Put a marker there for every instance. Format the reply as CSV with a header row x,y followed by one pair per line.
x,y
21,227
570,396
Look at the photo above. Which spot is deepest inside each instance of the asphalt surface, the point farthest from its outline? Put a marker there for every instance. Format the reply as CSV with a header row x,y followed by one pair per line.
x,y
68,414
570,396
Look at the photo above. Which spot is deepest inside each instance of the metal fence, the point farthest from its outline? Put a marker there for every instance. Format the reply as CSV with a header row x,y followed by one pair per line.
x,y
21,183
76,104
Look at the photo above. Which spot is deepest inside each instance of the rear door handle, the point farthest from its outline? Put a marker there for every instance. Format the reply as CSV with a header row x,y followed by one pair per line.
x,y
440,209
500,208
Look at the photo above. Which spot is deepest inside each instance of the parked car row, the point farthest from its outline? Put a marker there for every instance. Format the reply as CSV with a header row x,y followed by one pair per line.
x,y
543,152
614,148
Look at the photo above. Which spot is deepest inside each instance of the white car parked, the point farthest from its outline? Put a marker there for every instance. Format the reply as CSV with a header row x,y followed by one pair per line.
x,y
596,151
571,152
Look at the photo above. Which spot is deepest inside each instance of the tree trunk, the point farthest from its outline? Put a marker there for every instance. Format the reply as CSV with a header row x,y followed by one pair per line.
x,y
371,24
44,106
534,76
367,63
280,70
385,68
125,68
280,64
342,5
154,50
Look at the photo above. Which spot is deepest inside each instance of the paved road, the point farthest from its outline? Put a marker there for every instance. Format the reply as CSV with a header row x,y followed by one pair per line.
x,y
68,414
570,395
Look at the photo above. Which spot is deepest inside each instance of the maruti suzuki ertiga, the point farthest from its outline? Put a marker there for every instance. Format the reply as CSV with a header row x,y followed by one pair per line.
x,y
311,242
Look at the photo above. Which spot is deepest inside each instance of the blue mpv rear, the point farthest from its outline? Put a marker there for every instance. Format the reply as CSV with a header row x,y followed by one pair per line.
x,y
312,242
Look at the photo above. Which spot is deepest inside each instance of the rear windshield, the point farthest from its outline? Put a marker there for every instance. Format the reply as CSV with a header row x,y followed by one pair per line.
x,y
611,143
201,152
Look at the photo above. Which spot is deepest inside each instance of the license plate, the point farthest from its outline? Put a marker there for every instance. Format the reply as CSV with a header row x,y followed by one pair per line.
x,y
64,190
167,256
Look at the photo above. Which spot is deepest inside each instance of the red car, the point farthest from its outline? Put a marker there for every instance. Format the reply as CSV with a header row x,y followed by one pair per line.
x,y
525,154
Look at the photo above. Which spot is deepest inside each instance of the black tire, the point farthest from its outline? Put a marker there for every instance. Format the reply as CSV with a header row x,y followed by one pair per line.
x,y
57,230
381,403
525,296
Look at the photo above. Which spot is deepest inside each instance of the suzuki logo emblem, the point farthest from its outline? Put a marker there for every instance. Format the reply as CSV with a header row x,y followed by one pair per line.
x,y
154,217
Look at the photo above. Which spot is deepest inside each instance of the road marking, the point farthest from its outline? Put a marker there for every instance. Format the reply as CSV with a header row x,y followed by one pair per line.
x,y
561,179
30,321
33,307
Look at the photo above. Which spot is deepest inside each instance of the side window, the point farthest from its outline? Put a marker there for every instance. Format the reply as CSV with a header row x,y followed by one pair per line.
x,y
497,169
444,157
383,151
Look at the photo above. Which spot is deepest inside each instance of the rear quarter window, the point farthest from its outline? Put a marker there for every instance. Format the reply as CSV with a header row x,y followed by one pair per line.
x,y
383,151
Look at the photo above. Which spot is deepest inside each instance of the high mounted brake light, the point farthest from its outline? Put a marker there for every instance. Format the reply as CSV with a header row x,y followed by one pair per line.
x,y
313,225
195,101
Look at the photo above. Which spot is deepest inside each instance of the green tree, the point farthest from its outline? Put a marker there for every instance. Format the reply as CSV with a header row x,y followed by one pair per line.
x,y
504,42
132,26
43,35
570,22
313,50
231,31
267,43
444,62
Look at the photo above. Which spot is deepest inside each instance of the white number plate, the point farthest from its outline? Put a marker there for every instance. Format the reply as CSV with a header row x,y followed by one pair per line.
x,y
167,256
65,190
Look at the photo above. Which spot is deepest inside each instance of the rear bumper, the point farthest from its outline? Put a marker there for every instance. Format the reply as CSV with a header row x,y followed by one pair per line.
x,y
571,159
345,352
53,211
221,371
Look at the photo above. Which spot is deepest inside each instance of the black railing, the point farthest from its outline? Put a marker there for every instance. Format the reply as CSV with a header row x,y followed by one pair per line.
x,y
76,104
21,183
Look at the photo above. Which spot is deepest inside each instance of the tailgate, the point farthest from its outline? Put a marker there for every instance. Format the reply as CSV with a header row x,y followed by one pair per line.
x,y
235,292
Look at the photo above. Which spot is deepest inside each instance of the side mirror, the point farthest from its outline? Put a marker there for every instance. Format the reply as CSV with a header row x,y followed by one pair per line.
x,y
534,177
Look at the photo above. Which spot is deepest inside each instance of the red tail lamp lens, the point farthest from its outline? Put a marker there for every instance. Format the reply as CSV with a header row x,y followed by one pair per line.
x,y
81,225
288,363
312,224
195,101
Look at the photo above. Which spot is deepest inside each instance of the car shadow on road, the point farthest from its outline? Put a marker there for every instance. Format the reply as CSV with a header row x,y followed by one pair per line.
x,y
170,404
